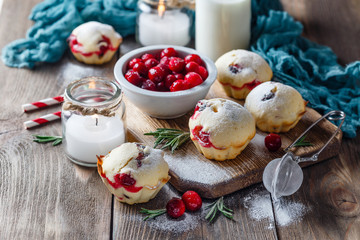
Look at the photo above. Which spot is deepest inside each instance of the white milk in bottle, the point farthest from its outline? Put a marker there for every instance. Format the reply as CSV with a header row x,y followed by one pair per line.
x,y
221,26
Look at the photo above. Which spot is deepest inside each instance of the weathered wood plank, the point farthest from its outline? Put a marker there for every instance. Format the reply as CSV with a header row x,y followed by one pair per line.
x,y
331,188
43,195
332,23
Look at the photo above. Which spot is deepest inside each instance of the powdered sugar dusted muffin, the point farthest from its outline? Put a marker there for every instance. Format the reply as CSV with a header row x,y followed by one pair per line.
x,y
220,128
134,173
239,71
276,107
94,42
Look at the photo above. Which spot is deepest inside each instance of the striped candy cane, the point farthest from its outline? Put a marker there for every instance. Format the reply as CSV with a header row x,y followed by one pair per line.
x,y
42,120
42,103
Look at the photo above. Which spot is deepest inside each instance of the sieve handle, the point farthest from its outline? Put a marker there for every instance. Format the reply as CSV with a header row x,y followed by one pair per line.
x,y
334,115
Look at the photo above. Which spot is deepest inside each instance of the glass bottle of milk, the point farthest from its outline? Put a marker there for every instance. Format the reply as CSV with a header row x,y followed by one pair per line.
x,y
221,26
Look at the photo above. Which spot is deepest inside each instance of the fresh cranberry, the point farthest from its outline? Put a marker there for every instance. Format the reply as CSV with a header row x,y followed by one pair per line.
x,y
179,85
161,86
192,201
176,64
133,77
193,58
175,207
273,142
148,85
168,52
165,61
193,79
203,72
126,180
192,67
147,56
169,79
165,68
179,76
156,74
133,61
141,68
152,62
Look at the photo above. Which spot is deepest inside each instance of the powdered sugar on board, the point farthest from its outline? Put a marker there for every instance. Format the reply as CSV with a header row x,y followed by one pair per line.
x,y
259,205
186,166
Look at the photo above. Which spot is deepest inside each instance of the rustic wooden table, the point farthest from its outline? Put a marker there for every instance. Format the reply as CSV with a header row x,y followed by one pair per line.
x,y
43,195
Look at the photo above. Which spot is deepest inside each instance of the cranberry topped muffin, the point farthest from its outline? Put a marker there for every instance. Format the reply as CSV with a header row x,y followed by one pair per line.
x,y
133,172
94,42
240,71
220,128
276,107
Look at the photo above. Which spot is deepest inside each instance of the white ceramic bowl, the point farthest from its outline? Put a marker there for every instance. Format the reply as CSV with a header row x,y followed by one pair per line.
x,y
163,105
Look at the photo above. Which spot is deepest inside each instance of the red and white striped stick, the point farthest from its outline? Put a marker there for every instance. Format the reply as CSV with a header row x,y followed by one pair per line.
x,y
42,103
41,120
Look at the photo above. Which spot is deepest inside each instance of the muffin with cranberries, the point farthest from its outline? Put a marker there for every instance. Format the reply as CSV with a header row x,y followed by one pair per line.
x,y
240,71
221,128
133,172
94,42
276,107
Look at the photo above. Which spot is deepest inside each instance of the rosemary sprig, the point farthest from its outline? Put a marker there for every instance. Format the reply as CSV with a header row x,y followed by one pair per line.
x,y
169,137
152,213
56,140
302,143
216,206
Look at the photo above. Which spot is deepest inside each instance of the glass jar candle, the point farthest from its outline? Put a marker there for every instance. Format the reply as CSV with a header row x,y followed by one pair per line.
x,y
222,26
93,119
161,22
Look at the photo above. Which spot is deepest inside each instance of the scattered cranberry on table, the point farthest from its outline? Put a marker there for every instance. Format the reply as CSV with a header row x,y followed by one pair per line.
x,y
273,142
192,200
175,207
166,71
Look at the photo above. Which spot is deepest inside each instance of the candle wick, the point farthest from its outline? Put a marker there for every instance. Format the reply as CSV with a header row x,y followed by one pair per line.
x,y
96,121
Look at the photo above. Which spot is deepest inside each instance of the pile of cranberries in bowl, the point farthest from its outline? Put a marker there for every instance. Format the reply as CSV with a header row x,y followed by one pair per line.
x,y
166,71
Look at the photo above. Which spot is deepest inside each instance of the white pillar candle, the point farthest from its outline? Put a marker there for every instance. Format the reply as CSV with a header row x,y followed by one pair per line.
x,y
222,26
173,28
88,136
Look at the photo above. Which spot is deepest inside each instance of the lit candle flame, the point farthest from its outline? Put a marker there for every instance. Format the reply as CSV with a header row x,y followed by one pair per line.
x,y
161,8
92,84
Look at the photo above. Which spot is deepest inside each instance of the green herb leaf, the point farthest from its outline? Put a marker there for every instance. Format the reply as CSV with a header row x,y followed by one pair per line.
x,y
152,213
46,139
218,206
170,138
302,143
57,142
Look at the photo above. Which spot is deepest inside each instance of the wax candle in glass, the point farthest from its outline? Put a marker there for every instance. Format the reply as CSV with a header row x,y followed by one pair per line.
x,y
159,22
222,26
92,119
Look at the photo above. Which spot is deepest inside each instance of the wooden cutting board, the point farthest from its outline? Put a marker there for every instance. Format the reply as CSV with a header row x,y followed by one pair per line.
x,y
190,170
